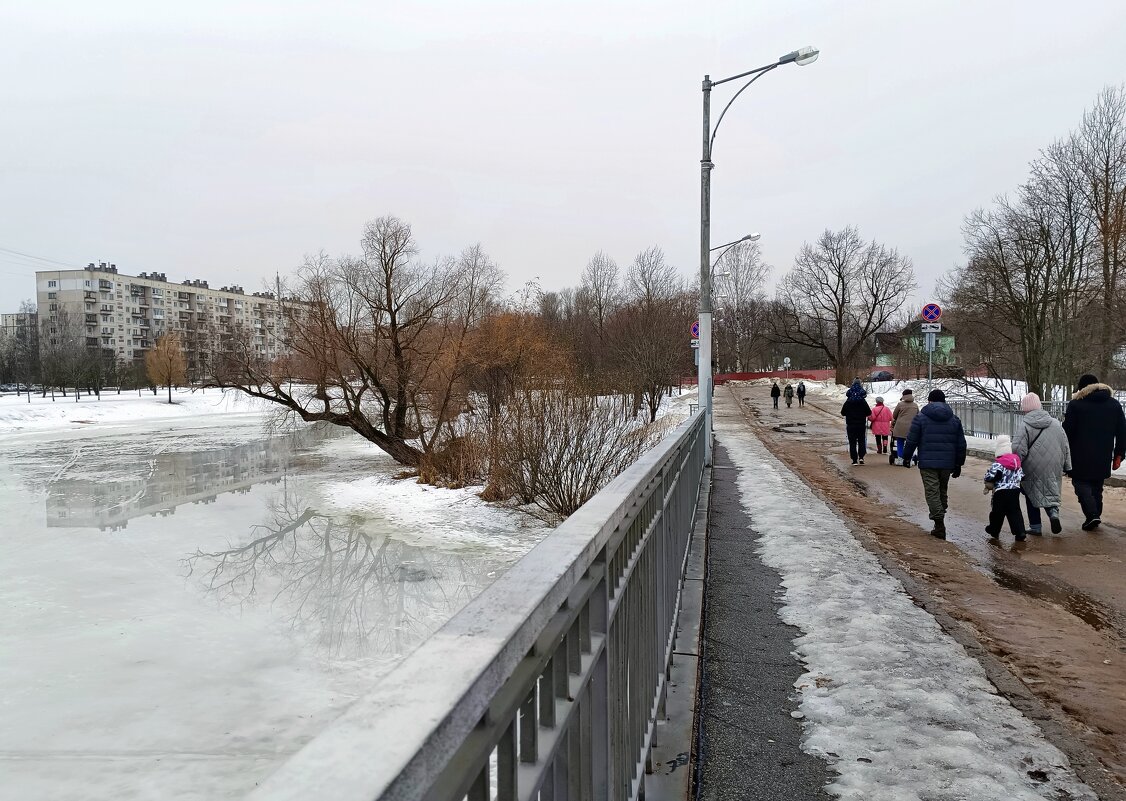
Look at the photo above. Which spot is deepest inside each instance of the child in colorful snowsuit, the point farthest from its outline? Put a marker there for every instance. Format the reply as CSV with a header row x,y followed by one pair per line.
x,y
1003,479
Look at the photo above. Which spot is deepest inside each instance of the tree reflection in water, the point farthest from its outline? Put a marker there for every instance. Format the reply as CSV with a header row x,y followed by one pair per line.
x,y
353,591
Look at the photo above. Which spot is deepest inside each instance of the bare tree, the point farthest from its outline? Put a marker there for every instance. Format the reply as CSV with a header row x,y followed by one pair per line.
x,y
1098,152
165,363
840,291
740,279
600,287
377,344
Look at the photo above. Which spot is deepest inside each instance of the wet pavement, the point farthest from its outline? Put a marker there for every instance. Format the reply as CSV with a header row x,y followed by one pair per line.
x,y
1081,571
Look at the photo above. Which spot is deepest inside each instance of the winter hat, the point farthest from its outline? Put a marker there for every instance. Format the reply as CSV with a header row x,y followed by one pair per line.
x,y
908,395
937,395
1004,445
879,399
1086,380
1030,403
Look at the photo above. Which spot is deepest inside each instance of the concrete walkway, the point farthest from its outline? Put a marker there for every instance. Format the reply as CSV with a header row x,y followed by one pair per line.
x,y
748,746
863,691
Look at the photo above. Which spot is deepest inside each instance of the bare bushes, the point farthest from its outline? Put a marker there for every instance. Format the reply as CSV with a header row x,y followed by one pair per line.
x,y
557,447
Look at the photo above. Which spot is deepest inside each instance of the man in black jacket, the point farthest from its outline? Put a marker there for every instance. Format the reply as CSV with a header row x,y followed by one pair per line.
x,y
855,412
937,434
1096,432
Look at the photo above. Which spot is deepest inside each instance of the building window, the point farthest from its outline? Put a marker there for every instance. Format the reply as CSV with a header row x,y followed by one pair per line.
x,y
53,283
52,295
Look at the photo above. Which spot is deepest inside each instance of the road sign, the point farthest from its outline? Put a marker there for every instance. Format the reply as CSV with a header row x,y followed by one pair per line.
x,y
786,362
695,343
932,328
932,312
696,330
930,342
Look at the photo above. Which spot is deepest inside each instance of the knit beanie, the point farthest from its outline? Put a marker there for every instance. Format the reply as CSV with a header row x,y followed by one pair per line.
x,y
1004,445
1030,403
908,395
937,395
1086,380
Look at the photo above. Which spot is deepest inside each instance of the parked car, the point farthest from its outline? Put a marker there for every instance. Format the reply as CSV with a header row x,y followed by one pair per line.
x,y
881,375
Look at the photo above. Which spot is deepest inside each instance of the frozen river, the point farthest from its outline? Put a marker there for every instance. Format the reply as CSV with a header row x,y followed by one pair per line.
x,y
187,602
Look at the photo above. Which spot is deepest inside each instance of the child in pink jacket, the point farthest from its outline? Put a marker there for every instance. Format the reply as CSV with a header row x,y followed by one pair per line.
x,y
880,418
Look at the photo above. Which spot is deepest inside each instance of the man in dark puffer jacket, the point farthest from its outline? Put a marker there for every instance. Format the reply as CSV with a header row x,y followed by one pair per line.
x,y
936,432
1096,432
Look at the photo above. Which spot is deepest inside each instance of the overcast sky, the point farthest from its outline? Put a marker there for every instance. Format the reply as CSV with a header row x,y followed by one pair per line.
x,y
225,140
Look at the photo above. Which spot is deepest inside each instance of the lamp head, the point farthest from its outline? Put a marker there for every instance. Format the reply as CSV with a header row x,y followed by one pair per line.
x,y
755,237
806,55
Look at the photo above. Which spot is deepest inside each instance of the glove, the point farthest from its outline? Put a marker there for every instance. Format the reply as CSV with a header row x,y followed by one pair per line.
x,y
1117,462
957,472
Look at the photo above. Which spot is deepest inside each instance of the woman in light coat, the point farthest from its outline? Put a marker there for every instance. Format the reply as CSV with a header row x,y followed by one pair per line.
x,y
1045,456
901,420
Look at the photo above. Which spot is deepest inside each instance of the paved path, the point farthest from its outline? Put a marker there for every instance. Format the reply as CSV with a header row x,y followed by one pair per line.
x,y
820,673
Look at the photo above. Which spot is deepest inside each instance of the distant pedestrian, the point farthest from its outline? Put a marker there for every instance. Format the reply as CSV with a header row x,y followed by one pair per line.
x,y
880,418
1045,456
901,420
801,394
1003,479
775,393
789,393
936,432
855,411
1096,432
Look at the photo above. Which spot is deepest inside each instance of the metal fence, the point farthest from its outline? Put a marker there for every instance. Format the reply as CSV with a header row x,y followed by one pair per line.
x,y
548,685
980,419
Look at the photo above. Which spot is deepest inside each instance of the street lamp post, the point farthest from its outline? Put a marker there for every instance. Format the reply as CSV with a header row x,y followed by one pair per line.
x,y
807,55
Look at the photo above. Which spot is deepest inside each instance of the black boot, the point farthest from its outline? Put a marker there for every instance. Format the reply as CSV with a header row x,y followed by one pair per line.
x,y
939,529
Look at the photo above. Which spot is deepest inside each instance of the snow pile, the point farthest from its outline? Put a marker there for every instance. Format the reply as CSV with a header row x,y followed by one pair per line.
x,y
17,414
895,704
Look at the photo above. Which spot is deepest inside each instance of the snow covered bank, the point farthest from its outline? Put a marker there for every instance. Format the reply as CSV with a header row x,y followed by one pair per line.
x,y
890,700
16,414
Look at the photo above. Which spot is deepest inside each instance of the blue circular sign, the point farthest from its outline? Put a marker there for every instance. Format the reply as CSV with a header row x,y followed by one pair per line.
x,y
696,330
932,312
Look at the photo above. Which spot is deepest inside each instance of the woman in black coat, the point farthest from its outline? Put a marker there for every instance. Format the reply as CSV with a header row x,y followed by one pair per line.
x,y
1096,433
775,393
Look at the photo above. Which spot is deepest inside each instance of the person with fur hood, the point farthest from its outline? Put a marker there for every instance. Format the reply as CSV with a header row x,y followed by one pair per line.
x,y
1003,479
1045,456
901,420
1096,432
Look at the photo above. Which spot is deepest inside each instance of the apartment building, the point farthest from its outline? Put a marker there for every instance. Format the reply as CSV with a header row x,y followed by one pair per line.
x,y
123,316
22,326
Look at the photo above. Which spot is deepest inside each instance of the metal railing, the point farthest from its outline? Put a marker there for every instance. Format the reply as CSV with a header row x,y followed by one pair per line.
x,y
548,685
991,419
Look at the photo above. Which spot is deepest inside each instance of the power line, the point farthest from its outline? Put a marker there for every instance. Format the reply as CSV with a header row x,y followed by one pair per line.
x,y
44,259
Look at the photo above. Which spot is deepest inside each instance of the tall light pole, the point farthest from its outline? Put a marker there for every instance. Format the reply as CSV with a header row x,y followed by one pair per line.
x,y
722,252
807,55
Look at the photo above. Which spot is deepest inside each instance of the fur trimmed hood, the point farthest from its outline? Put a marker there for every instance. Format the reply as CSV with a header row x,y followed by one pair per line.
x,y
1090,389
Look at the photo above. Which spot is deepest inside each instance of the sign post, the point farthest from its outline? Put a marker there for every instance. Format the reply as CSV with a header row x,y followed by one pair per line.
x,y
786,367
931,315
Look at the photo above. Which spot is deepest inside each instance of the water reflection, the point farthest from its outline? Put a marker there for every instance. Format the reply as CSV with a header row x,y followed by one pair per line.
x,y
175,478
343,584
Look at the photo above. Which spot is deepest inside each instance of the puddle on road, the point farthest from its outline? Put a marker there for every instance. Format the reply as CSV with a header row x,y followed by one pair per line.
x,y
1079,604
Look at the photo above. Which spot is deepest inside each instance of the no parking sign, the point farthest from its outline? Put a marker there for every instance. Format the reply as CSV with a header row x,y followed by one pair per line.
x,y
932,313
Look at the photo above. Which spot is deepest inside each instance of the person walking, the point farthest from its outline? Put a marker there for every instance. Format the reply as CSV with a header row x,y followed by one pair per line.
x,y
880,418
775,393
1003,479
855,411
789,393
901,420
936,432
1045,455
1096,431
801,394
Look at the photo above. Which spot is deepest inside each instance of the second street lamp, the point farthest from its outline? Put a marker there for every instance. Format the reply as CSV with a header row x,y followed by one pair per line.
x,y
806,55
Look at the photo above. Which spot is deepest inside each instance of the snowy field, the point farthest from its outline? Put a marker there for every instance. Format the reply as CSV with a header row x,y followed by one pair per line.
x,y
17,414
188,602
895,705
